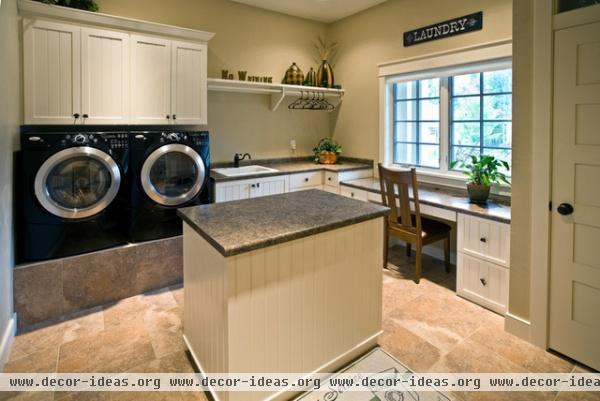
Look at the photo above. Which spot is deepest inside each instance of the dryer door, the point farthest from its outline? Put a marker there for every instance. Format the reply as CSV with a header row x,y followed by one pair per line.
x,y
173,175
77,182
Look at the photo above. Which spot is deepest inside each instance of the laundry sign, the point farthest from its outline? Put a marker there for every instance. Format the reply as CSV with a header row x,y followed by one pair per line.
x,y
456,26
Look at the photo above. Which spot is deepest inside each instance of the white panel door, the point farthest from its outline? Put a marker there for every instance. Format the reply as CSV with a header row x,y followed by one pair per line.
x,y
269,186
104,76
52,74
150,80
231,191
575,267
188,88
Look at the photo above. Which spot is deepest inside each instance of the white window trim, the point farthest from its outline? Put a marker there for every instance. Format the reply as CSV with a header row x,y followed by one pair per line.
x,y
493,55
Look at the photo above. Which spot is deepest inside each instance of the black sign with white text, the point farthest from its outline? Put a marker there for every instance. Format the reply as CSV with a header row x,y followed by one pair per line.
x,y
456,26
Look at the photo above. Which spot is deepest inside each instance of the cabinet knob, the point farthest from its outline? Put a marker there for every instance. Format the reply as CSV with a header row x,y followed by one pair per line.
x,y
258,184
85,116
483,281
253,185
168,116
352,194
174,116
483,239
328,178
76,115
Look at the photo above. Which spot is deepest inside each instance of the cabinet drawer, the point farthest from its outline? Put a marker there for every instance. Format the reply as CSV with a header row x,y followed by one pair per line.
x,y
354,193
484,238
482,282
303,180
331,178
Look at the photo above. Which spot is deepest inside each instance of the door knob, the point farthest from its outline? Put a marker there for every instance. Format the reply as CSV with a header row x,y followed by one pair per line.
x,y
565,209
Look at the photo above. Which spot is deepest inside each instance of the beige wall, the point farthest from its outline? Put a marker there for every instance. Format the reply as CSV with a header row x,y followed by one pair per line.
x,y
261,42
522,148
375,36
9,125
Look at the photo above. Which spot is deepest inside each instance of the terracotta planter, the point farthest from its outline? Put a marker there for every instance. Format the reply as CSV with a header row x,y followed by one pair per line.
x,y
478,194
327,158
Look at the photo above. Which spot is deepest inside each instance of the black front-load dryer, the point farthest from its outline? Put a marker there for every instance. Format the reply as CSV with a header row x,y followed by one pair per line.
x,y
170,170
73,193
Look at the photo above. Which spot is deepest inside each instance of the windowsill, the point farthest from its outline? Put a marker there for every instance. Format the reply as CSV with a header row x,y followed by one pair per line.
x,y
450,179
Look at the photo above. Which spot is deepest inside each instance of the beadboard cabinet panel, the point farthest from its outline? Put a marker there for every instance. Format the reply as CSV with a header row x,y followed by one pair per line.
x,y
482,282
484,238
104,76
52,74
150,80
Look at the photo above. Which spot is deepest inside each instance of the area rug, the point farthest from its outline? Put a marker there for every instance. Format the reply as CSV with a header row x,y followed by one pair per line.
x,y
377,360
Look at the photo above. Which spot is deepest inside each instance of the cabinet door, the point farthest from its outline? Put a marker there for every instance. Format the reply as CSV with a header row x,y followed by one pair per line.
x,y
150,80
230,191
269,186
482,282
188,85
104,76
52,74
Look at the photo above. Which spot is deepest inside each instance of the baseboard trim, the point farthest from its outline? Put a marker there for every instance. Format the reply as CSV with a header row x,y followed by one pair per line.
x,y
518,326
7,340
333,365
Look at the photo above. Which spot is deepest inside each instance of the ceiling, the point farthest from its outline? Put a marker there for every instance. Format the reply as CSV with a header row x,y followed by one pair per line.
x,y
318,10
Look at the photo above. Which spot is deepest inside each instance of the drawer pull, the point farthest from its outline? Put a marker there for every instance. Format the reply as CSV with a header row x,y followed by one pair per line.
x,y
352,194
483,239
328,178
306,180
483,281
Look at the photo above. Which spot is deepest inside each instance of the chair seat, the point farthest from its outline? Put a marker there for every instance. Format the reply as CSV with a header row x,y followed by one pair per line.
x,y
431,228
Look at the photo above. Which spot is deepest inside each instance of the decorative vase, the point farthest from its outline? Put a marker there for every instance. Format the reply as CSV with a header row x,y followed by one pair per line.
x,y
327,158
325,75
478,194
311,78
293,75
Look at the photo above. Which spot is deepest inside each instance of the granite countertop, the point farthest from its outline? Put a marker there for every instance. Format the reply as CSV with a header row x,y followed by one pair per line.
x,y
445,198
292,166
245,225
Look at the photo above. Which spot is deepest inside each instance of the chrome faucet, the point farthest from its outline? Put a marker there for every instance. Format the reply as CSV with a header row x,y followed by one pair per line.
x,y
238,157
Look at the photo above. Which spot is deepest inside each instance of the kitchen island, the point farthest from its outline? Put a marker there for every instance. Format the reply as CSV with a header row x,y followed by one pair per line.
x,y
283,283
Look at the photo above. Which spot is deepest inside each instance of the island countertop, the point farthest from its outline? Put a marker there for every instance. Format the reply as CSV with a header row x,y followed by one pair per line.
x,y
245,225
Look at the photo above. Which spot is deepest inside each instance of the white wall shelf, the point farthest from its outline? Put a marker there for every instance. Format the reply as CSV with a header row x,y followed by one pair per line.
x,y
278,92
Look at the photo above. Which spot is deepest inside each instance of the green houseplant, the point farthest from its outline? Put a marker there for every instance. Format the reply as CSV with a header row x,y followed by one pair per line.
x,y
327,151
483,171
87,5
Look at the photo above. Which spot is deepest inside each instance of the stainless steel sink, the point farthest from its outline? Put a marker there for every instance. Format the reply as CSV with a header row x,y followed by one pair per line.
x,y
245,170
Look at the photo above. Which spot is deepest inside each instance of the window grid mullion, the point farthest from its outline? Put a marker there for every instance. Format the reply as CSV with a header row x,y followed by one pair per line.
x,y
418,126
480,113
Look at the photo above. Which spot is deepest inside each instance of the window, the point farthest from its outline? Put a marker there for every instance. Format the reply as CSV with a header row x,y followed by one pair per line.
x,y
461,112
417,123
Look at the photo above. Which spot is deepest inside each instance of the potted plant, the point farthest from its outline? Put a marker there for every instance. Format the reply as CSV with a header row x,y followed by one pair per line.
x,y
483,171
327,151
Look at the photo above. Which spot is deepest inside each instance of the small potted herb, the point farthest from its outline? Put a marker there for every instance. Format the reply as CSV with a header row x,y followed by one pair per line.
x,y
327,151
483,171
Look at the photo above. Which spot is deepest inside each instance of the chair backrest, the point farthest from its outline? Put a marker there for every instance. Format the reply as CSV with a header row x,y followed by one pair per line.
x,y
397,183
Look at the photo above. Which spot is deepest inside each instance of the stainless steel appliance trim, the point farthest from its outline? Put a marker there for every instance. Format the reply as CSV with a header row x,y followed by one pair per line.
x,y
151,191
41,177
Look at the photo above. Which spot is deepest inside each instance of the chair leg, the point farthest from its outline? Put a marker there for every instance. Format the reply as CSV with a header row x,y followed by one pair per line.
x,y
408,249
386,246
447,253
419,265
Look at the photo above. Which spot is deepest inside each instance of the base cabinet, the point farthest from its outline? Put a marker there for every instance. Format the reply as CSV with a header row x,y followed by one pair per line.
x,y
251,188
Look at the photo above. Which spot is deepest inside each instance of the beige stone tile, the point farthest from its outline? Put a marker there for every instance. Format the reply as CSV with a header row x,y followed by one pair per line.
x,y
195,396
43,361
58,331
177,292
126,311
97,278
38,292
161,299
159,264
518,351
83,396
578,396
165,331
27,396
508,396
410,349
146,396
116,349
442,319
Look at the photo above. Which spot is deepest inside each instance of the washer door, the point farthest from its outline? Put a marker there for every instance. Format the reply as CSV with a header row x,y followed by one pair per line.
x,y
77,182
173,175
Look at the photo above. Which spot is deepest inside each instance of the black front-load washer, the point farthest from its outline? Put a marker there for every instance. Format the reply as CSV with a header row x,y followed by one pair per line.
x,y
73,193
170,170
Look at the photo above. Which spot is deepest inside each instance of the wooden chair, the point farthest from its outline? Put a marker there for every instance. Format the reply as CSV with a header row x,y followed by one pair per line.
x,y
406,225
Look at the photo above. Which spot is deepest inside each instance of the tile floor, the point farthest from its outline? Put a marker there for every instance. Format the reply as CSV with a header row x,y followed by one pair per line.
x,y
426,326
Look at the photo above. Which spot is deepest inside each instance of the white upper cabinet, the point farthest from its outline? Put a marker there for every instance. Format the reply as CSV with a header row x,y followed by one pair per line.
x,y
150,80
127,72
51,72
104,76
188,83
